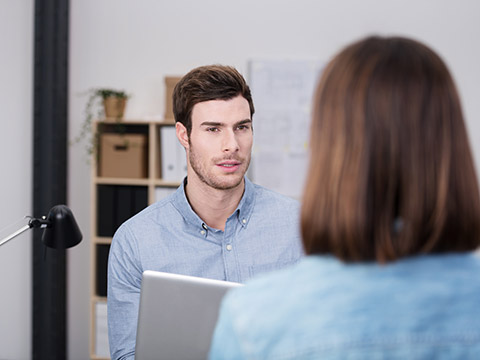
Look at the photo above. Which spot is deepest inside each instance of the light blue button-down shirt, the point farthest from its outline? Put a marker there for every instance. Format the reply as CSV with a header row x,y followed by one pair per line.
x,y
423,307
261,235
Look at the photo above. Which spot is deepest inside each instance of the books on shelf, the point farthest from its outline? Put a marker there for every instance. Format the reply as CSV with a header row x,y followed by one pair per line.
x,y
117,203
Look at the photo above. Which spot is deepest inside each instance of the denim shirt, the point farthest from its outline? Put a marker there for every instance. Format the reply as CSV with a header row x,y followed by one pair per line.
x,y
261,235
425,307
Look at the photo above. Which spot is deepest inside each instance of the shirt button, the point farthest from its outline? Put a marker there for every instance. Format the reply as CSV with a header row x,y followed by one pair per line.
x,y
229,247
244,221
202,232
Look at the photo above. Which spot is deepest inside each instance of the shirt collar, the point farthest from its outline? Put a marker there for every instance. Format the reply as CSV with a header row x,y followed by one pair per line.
x,y
243,211
245,207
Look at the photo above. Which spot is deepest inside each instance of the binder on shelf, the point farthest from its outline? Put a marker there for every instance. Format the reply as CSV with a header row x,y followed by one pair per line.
x,y
101,330
116,204
173,157
140,199
169,160
182,162
124,207
106,200
102,266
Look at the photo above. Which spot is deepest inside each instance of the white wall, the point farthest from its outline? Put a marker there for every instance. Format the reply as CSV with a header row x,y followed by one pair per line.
x,y
16,39
133,45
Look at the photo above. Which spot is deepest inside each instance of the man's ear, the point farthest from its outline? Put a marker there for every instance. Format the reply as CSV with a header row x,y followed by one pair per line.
x,y
182,135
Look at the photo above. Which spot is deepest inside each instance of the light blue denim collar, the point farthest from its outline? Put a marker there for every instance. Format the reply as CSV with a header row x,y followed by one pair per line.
x,y
243,211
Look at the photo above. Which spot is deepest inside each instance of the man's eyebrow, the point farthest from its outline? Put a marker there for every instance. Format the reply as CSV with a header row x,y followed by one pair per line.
x,y
211,123
216,123
243,122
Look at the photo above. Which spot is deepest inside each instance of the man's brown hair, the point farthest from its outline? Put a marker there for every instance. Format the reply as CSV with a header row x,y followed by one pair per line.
x,y
391,172
211,82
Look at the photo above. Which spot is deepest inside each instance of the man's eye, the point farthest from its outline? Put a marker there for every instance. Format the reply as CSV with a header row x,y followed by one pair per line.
x,y
243,127
212,129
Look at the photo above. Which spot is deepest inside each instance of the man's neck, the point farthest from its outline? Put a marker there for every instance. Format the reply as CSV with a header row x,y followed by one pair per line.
x,y
213,206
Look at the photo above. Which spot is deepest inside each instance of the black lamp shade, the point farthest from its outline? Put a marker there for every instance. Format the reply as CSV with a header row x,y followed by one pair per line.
x,y
62,230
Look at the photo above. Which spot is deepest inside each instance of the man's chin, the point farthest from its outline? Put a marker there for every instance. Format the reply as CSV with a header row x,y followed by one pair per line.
x,y
231,182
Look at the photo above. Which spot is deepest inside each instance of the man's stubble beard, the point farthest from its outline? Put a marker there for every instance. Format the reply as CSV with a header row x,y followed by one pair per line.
x,y
212,180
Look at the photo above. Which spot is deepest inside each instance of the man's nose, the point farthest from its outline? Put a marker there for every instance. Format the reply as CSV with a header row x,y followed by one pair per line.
x,y
229,142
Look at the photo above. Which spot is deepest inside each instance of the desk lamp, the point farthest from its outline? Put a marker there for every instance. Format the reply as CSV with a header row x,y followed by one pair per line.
x,y
61,229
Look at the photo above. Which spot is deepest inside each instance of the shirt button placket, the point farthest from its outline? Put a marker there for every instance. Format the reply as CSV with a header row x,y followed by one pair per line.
x,y
204,229
230,262
229,252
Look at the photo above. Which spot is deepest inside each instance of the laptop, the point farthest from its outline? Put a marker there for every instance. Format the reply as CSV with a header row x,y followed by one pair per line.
x,y
177,315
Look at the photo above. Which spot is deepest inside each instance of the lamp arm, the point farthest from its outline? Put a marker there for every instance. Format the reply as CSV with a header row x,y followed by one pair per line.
x,y
33,223
16,233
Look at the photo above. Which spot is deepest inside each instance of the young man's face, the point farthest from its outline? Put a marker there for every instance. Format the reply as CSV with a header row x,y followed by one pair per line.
x,y
220,143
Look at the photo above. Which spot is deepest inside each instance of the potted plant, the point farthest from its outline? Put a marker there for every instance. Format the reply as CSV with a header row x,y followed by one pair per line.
x,y
103,103
114,103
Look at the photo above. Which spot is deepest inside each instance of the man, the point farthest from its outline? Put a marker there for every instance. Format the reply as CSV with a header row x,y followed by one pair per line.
x,y
217,224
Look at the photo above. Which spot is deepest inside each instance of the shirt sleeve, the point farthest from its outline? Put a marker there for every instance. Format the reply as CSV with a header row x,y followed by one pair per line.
x,y
123,296
225,342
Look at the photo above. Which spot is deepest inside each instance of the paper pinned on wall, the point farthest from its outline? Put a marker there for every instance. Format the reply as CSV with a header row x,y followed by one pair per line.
x,y
282,92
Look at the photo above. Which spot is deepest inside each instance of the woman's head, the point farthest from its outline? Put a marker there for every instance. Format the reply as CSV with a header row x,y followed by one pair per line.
x,y
391,173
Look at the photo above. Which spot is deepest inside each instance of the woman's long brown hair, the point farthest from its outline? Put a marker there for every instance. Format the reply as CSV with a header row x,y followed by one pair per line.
x,y
391,173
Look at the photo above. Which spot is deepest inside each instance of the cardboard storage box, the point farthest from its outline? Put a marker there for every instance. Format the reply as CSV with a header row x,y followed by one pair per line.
x,y
170,82
123,155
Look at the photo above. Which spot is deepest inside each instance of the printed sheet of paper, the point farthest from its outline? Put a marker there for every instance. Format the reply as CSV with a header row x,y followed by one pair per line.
x,y
282,93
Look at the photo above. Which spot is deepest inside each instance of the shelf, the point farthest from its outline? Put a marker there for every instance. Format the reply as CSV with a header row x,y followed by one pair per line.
x,y
130,122
95,357
115,199
102,240
135,182
99,299
166,183
121,181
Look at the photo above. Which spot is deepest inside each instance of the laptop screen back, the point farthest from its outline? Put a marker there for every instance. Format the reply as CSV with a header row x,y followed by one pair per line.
x,y
177,315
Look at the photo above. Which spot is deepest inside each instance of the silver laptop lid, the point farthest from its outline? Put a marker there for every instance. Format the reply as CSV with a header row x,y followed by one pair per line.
x,y
177,315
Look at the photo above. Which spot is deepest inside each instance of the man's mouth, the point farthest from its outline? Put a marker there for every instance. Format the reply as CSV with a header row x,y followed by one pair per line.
x,y
229,164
